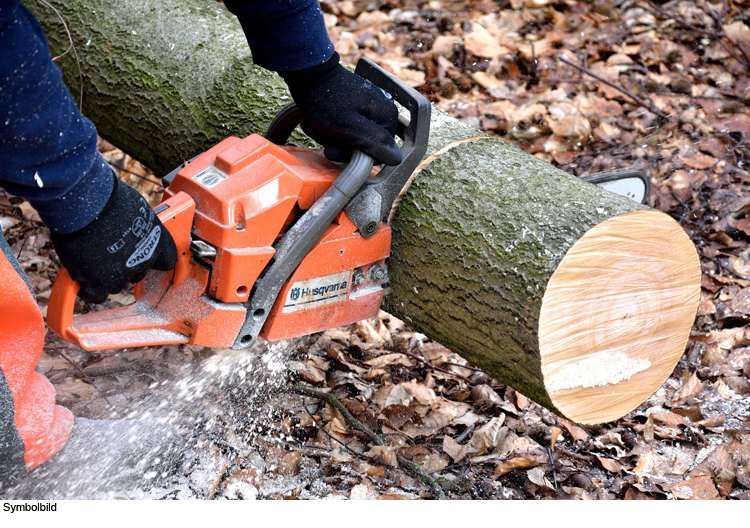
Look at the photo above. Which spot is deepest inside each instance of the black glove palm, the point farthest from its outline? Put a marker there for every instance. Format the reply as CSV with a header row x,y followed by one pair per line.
x,y
343,111
121,245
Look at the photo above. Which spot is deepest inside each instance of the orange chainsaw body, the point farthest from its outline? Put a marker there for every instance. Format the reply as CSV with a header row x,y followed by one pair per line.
x,y
225,210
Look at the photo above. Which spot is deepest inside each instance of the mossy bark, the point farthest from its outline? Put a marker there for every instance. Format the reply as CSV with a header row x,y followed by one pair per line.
x,y
476,237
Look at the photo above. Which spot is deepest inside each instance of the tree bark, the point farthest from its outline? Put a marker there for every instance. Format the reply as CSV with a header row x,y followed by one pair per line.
x,y
479,236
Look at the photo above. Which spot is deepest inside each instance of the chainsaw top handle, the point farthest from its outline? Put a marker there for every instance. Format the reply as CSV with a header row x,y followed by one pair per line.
x,y
372,203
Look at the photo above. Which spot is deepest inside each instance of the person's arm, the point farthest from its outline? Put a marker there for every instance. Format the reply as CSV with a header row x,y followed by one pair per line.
x,y
341,110
103,231
47,148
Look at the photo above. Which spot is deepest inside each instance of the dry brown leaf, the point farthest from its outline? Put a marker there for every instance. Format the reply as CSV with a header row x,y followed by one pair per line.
x,y
445,413
612,442
514,463
394,496
420,392
455,450
487,437
741,301
697,160
435,353
738,358
390,359
691,389
480,43
556,433
385,454
72,390
289,464
670,419
712,422
398,415
433,462
576,432
735,123
537,476
337,426
308,372
395,395
486,81
444,44
566,121
522,402
699,488
243,484
739,33
609,465
211,466
363,492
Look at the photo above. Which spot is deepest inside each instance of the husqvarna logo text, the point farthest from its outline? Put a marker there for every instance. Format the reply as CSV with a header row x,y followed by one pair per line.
x,y
316,292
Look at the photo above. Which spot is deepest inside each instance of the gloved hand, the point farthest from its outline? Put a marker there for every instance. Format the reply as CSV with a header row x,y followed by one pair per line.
x,y
342,110
120,245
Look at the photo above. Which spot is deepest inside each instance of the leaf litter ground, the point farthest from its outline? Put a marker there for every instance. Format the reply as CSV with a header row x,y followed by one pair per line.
x,y
663,88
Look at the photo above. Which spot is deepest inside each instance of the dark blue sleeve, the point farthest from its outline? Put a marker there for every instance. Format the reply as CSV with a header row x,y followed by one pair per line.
x,y
284,35
47,148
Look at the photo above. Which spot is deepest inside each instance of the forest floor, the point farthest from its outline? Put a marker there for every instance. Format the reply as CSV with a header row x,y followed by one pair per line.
x,y
659,87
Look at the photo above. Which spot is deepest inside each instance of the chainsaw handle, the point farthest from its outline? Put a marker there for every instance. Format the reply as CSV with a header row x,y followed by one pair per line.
x,y
372,203
176,214
62,301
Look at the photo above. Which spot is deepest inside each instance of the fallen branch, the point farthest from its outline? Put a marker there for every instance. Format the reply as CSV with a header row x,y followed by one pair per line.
x,y
374,437
83,374
707,32
738,145
650,107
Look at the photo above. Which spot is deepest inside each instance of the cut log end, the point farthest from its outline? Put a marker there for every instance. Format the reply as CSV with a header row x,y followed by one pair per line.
x,y
617,314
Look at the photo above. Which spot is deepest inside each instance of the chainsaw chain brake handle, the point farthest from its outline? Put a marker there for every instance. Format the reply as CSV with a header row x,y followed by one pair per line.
x,y
372,203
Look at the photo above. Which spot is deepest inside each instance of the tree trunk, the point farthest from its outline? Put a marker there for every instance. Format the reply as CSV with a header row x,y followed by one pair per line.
x,y
576,297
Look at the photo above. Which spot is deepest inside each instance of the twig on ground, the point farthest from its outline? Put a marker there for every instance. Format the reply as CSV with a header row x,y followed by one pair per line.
x,y
75,366
475,369
346,446
463,436
650,107
435,367
554,471
716,35
376,439
738,145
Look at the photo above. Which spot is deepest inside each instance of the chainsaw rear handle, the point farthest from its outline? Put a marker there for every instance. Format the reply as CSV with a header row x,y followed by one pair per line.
x,y
176,214
372,203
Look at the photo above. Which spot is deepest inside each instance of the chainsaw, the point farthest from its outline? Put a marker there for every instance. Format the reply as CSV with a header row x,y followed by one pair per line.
x,y
273,241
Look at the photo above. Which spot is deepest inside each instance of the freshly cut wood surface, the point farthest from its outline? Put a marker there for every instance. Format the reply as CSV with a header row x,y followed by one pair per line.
x,y
617,314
